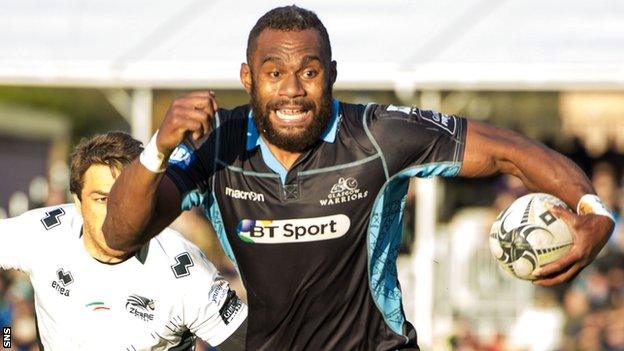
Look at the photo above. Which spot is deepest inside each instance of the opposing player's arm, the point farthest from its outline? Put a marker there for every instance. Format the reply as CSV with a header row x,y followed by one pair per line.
x,y
11,244
218,317
18,243
143,199
491,150
212,310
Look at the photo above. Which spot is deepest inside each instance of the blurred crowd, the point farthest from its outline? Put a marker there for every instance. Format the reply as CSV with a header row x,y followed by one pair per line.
x,y
586,314
594,302
17,310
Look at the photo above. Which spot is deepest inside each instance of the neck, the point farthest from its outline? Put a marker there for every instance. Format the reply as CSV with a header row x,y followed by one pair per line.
x,y
99,250
286,158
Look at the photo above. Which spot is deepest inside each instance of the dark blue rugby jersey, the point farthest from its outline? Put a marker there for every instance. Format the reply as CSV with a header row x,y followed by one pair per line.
x,y
316,245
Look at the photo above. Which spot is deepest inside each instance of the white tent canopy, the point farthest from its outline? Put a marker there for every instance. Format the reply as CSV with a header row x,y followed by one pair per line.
x,y
393,44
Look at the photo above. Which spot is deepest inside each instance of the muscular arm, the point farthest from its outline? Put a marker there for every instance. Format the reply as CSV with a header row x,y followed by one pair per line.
x,y
491,150
142,203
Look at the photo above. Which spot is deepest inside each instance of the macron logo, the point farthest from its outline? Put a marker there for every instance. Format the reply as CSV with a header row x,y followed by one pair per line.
x,y
244,195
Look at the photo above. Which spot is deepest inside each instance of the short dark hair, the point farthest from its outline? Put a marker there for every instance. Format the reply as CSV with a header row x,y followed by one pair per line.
x,y
289,18
113,149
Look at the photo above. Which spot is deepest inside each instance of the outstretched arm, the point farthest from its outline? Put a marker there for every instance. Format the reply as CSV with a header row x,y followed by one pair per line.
x,y
143,201
17,236
490,150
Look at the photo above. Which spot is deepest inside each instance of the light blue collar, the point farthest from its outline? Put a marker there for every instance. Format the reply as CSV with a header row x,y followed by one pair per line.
x,y
329,135
254,140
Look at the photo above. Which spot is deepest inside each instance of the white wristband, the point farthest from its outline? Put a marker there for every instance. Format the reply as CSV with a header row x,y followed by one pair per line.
x,y
591,203
151,158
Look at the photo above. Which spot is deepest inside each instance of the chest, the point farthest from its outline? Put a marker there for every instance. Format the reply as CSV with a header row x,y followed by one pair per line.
x,y
105,306
326,200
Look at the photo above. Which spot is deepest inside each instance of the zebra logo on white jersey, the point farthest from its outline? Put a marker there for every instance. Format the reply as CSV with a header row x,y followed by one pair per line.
x,y
140,307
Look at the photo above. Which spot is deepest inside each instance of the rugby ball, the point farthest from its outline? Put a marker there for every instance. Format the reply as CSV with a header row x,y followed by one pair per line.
x,y
526,235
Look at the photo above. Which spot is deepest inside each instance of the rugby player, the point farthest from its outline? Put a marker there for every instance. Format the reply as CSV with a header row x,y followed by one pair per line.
x,y
306,192
90,297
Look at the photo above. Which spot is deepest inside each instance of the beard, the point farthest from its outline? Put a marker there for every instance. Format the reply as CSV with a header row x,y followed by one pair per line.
x,y
301,139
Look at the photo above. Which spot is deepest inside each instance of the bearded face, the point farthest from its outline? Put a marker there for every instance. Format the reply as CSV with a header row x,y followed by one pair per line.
x,y
309,119
289,78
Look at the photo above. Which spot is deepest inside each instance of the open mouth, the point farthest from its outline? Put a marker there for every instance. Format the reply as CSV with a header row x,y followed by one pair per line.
x,y
292,115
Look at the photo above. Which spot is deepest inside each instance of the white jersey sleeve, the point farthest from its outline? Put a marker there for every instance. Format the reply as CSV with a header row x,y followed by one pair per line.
x,y
212,311
18,239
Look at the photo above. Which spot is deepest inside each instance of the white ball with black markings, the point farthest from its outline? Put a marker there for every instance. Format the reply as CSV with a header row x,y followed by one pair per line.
x,y
526,235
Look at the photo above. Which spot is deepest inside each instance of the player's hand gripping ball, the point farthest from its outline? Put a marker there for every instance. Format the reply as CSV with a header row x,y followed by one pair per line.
x,y
526,235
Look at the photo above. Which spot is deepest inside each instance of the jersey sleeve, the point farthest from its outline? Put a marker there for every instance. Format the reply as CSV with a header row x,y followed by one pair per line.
x,y
18,241
190,168
212,311
426,142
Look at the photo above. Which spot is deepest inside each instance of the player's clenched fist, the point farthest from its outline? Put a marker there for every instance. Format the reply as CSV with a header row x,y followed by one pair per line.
x,y
188,115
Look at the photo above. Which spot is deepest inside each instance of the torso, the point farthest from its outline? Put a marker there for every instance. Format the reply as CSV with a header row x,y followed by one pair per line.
x,y
83,304
317,249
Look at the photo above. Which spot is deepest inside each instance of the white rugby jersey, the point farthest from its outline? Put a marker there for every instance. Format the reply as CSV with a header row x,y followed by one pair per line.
x,y
155,300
